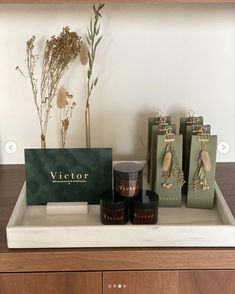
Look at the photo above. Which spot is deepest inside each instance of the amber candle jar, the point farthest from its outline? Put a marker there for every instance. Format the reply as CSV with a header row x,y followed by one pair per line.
x,y
128,179
113,211
144,208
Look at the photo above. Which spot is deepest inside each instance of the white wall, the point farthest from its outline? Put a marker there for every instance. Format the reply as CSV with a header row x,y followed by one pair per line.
x,y
172,57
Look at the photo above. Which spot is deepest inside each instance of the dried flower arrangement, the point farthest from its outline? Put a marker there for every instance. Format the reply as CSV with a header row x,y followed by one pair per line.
x,y
87,57
66,105
58,55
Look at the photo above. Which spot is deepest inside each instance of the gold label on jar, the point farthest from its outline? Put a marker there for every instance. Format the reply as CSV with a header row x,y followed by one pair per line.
x,y
129,189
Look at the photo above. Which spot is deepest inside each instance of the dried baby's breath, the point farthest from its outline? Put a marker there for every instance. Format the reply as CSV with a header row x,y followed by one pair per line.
x,y
59,53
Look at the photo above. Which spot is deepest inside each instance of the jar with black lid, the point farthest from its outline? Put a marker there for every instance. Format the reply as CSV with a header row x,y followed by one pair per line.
x,y
113,211
128,179
144,208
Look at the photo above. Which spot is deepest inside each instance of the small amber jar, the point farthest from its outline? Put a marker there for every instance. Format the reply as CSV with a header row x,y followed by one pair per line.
x,y
144,208
128,179
113,211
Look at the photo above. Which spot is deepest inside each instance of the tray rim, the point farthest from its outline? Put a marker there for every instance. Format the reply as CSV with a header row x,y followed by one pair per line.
x,y
228,229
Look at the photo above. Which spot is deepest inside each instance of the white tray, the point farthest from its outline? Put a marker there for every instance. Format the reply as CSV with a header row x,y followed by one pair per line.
x,y
31,227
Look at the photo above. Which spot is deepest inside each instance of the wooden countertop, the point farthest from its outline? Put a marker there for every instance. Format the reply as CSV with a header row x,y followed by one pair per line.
x,y
22,260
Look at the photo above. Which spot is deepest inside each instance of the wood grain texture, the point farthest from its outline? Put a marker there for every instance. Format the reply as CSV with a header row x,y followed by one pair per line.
x,y
169,282
116,259
225,175
11,181
51,283
206,282
162,282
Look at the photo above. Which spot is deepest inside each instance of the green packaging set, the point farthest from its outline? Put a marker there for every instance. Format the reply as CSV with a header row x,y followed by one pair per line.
x,y
194,153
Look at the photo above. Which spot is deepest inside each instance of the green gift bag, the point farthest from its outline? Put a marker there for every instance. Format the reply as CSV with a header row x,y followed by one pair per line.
x,y
168,182
152,121
202,167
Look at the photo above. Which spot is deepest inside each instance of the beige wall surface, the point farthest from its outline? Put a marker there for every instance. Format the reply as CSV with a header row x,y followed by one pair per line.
x,y
170,57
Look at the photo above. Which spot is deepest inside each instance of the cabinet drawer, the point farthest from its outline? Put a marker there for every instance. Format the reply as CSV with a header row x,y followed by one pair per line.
x,y
51,283
169,282
147,282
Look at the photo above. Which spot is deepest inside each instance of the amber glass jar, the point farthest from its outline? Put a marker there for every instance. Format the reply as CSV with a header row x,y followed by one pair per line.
x,y
113,211
128,179
144,208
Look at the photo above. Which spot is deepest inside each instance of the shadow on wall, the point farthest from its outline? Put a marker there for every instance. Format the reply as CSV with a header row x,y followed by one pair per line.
x,y
126,135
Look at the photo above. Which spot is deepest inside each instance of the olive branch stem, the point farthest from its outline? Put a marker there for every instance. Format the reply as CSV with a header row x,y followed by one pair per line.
x,y
93,39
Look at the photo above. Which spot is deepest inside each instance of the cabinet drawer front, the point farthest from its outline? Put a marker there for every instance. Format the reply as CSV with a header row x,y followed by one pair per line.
x,y
206,282
51,283
147,282
169,282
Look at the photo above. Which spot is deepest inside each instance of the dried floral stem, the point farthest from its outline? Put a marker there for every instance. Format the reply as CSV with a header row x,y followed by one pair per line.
x,y
93,39
58,55
66,105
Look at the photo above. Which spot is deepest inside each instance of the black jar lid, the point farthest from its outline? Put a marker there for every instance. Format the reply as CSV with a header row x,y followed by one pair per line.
x,y
147,200
110,202
128,170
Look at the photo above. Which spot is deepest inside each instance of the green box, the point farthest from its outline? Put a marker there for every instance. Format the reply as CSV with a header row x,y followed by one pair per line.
x,y
67,175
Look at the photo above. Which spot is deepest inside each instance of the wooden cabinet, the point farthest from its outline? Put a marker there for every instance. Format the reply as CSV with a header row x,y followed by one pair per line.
x,y
120,282
169,282
143,282
51,283
206,282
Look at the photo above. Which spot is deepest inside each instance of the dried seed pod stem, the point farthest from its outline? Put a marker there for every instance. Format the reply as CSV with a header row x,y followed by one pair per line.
x,y
61,98
84,54
65,118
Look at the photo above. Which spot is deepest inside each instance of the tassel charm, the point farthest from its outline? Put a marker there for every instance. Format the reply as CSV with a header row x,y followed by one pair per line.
x,y
203,167
171,168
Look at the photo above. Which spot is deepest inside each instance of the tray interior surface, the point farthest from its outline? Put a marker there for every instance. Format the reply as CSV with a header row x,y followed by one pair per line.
x,y
31,227
36,216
